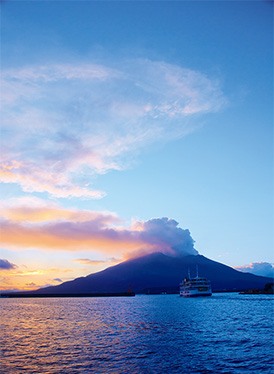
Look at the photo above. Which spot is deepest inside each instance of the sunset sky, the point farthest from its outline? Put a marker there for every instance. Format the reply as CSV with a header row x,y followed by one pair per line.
x,y
132,127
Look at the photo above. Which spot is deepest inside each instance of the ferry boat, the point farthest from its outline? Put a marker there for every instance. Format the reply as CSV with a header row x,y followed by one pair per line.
x,y
197,286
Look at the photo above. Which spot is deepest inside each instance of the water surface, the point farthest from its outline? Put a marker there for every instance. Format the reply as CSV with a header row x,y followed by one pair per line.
x,y
224,333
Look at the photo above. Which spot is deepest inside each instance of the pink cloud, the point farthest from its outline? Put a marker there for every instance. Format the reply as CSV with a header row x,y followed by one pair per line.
x,y
35,179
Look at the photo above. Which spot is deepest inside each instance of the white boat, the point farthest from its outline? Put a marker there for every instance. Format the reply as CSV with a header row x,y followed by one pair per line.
x,y
197,286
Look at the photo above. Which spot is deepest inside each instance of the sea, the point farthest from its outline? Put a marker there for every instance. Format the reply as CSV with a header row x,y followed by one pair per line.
x,y
224,333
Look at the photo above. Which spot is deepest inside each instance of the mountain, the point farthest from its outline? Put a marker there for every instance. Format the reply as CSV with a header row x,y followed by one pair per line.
x,y
159,273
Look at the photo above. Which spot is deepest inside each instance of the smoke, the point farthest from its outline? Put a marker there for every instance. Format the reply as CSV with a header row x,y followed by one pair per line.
x,y
164,235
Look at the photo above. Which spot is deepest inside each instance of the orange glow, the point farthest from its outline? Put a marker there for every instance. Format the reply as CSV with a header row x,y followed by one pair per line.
x,y
30,223
22,279
43,214
17,236
54,228
86,261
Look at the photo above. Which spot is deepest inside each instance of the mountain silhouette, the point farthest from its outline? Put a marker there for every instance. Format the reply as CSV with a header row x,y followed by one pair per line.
x,y
155,273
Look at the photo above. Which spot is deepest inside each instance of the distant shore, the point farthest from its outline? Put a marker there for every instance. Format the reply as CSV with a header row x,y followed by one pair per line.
x,y
268,290
256,292
37,295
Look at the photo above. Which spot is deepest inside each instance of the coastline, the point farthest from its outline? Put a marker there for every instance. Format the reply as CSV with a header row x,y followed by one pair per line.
x,y
40,295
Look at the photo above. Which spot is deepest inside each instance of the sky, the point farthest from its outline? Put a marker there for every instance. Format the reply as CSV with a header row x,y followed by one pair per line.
x,y
129,127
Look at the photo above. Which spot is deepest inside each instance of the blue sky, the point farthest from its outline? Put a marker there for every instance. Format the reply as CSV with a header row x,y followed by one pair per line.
x,y
116,114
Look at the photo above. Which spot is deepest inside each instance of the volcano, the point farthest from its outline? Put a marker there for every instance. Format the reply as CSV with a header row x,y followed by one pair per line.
x,y
156,273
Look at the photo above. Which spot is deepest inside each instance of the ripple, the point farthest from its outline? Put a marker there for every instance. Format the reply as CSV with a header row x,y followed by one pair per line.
x,y
146,334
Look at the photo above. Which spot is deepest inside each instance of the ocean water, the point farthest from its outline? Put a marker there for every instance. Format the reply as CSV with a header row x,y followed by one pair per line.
x,y
224,333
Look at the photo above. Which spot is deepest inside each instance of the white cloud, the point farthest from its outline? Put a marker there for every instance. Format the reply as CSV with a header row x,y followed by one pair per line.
x,y
33,178
63,124
258,268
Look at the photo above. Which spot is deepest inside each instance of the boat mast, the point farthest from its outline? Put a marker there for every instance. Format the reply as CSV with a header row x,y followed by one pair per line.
x,y
197,276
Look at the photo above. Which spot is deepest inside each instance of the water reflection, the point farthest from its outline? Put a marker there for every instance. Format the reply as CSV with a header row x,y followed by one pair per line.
x,y
146,334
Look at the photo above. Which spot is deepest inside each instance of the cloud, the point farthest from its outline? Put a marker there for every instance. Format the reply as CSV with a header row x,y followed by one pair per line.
x,y
87,261
53,228
6,265
258,268
68,235
33,179
32,209
65,124
58,280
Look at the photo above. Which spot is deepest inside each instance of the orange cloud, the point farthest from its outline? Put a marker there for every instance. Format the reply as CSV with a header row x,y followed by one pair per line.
x,y
31,223
87,261
54,228
67,236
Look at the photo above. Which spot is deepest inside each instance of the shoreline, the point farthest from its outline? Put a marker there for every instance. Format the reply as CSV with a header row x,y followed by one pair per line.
x,y
38,295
